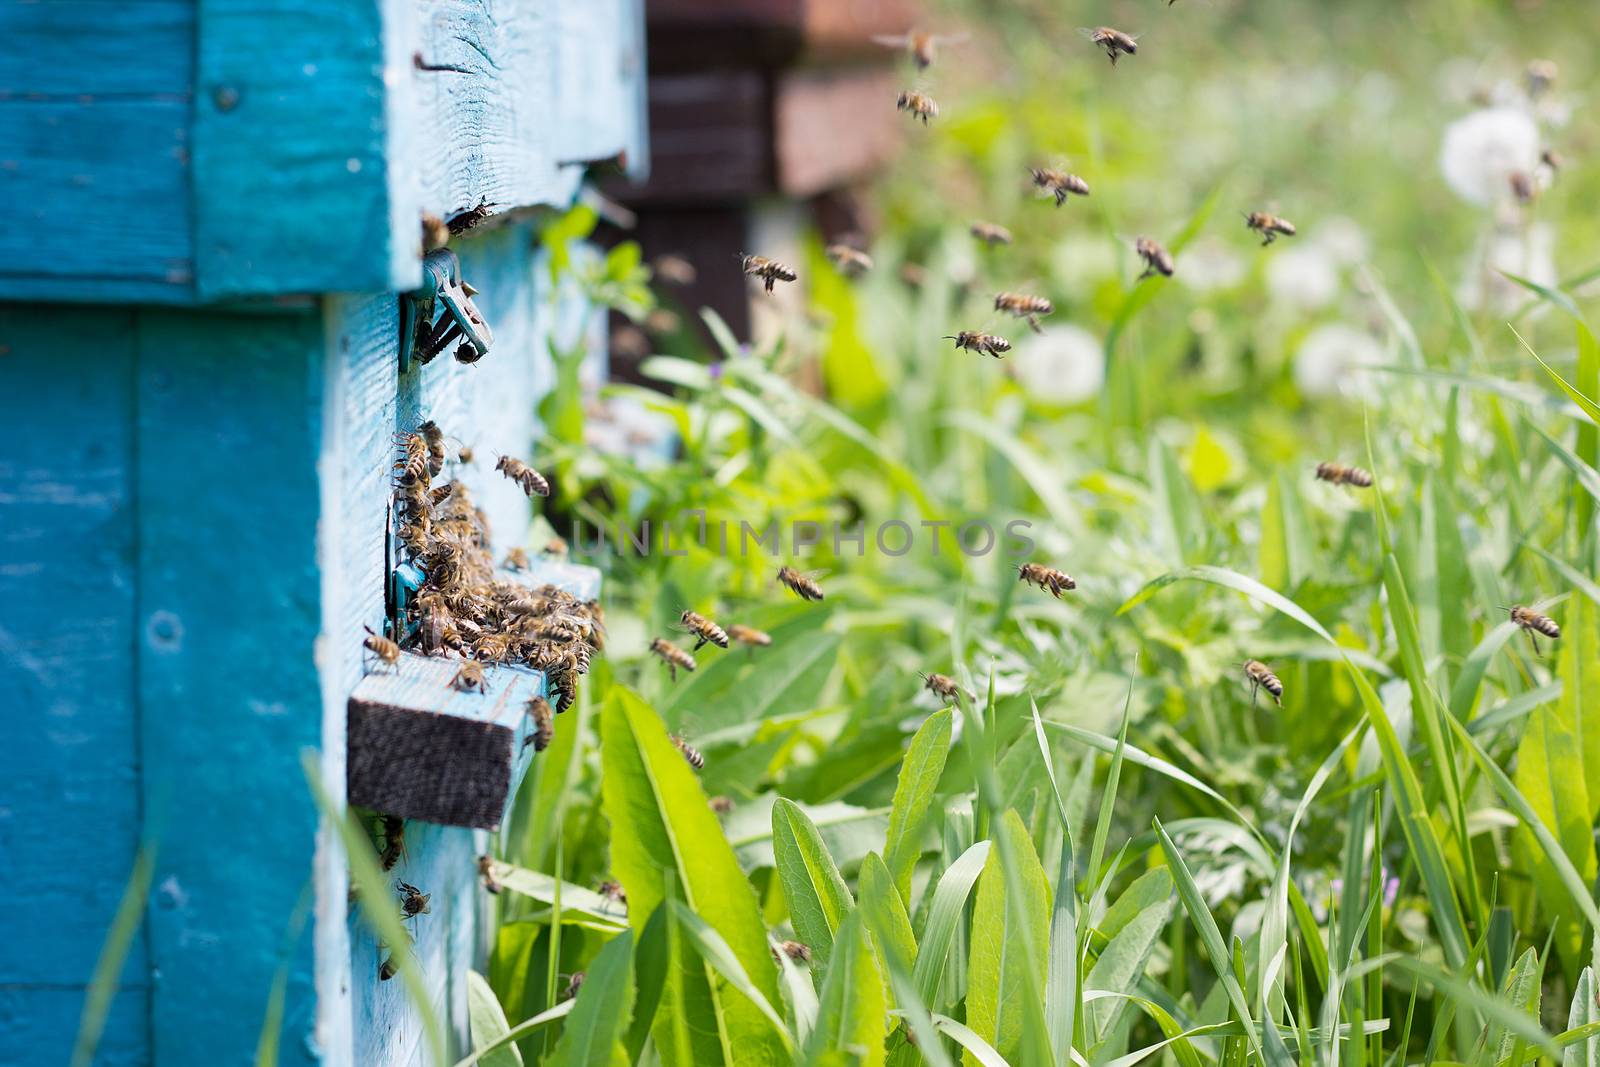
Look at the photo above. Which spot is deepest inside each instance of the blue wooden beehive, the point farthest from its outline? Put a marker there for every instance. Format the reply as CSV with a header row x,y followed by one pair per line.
x,y
212,208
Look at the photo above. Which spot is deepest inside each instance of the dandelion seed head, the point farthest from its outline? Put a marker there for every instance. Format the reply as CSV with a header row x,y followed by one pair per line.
x,y
1329,361
1482,150
1304,276
1063,365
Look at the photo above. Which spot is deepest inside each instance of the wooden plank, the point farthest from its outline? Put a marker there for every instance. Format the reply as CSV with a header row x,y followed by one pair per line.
x,y
96,48
97,194
229,611
833,127
599,80
710,139
69,769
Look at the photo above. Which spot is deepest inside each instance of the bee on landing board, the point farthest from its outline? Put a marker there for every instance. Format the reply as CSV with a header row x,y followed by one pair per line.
x,y
516,560
1058,183
1261,677
486,873
413,901
380,646
528,480
920,105
544,727
469,677
1049,579
802,585
770,271
394,842
1270,227
1115,42
921,47
1157,260
1339,474
690,753
1535,624
991,233
942,686
673,656
705,631
1024,306
987,343
413,463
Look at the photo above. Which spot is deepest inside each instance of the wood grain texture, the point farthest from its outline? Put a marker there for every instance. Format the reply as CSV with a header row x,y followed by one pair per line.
x,y
710,139
228,441
87,49
69,769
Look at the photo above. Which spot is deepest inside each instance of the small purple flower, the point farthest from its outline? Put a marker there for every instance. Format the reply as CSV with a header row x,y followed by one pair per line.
x,y
716,371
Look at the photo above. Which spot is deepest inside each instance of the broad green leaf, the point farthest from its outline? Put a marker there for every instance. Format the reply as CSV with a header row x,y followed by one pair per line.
x,y
489,1026
574,898
998,973
1585,1012
1586,475
944,914
818,898
977,1049
592,1035
1149,889
914,795
652,956
665,841
733,690
852,1016
1286,542
714,950
1580,688
1122,962
1521,991
1551,774
885,916
848,831
1584,403
518,1032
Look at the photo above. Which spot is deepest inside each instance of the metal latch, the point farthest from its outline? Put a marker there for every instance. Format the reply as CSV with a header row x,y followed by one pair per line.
x,y
422,334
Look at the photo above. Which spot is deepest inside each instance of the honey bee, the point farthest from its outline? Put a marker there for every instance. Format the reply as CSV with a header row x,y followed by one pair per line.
x,y
1268,226
673,656
916,275
386,650
464,455
690,753
795,950
433,437
705,631
973,341
567,689
921,105
1058,183
394,842
770,271
413,901
486,873
942,686
1115,42
1522,187
920,46
1339,474
463,221
516,560
1049,579
574,984
390,965
528,480
1023,306
413,466
749,635
440,493
674,270
544,727
1157,260
991,233
850,261
470,677
1541,74
721,805
435,234
613,891
1261,677
556,548
1535,624
802,585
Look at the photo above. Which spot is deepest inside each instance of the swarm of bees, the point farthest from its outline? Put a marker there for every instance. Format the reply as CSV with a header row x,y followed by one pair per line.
x,y
1339,474
770,271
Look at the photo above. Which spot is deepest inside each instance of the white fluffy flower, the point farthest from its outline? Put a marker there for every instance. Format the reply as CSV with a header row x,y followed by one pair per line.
x,y
1530,255
1342,238
1483,150
1063,365
1211,263
1329,360
1303,275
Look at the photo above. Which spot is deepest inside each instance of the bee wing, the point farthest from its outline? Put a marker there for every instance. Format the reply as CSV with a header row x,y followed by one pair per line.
x,y
951,38
1089,31
890,40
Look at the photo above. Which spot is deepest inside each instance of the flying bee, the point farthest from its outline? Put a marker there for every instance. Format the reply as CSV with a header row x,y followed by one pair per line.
x,y
673,656
705,631
721,805
486,873
1541,74
987,343
613,891
528,480
574,984
1261,677
1522,186
470,677
1058,183
1157,260
916,275
1269,226
544,727
1049,579
770,271
413,465
394,842
386,650
802,585
1339,474
1535,624
690,753
795,950
390,965
850,261
920,46
674,269
464,455
1115,42
433,437
413,901
749,635
516,560
942,686
1024,306
921,105
990,233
